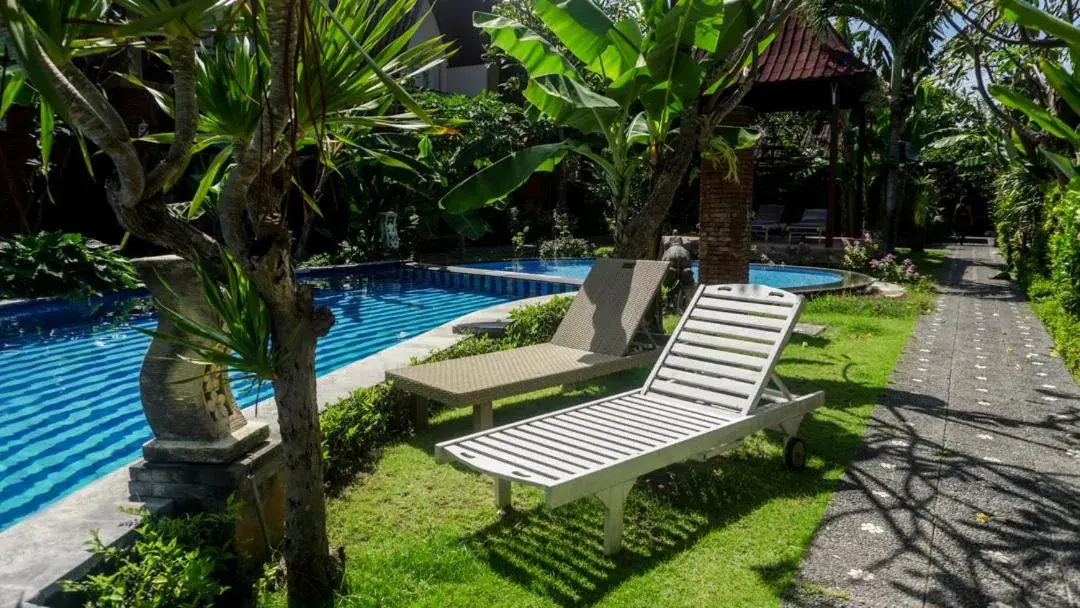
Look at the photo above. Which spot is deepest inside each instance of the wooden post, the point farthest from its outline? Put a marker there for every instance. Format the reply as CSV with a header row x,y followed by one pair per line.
x,y
482,417
834,145
860,171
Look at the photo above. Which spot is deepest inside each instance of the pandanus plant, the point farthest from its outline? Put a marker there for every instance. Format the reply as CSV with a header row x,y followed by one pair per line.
x,y
253,82
669,76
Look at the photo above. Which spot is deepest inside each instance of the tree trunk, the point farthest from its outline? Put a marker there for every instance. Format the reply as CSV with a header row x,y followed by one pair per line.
x,y
641,238
312,573
896,150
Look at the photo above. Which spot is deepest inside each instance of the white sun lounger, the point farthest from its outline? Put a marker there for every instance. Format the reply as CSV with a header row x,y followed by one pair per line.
x,y
708,391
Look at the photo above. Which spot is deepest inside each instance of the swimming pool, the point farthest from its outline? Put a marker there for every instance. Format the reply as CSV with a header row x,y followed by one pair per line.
x,y
781,277
69,374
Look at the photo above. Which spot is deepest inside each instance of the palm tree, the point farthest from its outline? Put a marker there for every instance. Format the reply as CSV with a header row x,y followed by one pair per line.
x,y
281,74
907,30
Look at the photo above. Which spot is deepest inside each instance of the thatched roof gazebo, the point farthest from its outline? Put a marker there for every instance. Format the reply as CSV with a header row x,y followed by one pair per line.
x,y
802,70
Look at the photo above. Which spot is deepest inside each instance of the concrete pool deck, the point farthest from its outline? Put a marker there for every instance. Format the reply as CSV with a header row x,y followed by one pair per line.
x,y
47,547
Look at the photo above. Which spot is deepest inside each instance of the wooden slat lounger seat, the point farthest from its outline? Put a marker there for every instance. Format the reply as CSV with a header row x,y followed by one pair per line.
x,y
594,339
708,391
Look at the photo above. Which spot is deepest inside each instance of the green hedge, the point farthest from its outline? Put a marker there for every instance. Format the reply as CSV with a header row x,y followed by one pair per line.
x,y
354,428
1050,303
1038,229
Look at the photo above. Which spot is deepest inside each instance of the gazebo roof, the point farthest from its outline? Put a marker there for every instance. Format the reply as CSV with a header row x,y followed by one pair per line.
x,y
801,68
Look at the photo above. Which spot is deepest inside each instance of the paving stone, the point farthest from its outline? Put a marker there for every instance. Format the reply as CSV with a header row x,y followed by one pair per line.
x,y
966,481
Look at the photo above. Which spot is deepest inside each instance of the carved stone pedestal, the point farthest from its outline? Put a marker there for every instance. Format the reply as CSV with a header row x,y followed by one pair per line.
x,y
255,480
204,450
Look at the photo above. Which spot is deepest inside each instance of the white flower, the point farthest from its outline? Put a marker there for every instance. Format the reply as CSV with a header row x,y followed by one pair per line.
x,y
872,528
860,575
996,556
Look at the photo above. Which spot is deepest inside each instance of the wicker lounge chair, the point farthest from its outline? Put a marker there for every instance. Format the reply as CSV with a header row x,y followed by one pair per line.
x,y
595,339
813,222
707,392
769,218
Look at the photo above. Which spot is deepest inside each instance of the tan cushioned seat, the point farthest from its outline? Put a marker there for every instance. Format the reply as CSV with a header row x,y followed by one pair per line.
x,y
490,376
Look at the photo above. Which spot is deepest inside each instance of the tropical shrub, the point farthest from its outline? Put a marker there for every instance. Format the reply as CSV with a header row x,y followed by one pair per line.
x,y
1039,225
537,323
1063,326
61,264
565,247
174,561
1017,212
858,253
606,251
865,255
1064,248
889,268
354,428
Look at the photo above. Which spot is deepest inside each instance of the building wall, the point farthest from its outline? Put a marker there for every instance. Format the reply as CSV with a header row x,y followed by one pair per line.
x,y
725,214
466,79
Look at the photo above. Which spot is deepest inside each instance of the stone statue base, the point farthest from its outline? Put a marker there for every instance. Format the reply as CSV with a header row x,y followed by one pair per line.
x,y
256,481
219,451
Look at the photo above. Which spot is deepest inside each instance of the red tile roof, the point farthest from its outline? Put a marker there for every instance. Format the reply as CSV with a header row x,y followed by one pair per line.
x,y
798,54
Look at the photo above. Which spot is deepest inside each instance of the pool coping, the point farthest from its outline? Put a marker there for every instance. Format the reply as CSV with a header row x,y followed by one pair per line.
x,y
851,281
49,546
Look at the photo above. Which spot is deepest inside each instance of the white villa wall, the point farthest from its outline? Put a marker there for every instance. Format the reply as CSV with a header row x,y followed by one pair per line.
x,y
467,80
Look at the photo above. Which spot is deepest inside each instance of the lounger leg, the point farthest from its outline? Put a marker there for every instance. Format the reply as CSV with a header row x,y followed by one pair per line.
x,y
420,411
614,500
502,494
790,427
482,418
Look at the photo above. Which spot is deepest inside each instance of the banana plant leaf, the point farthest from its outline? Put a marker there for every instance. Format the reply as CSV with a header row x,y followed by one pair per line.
x,y
1039,115
570,103
1066,84
590,36
1062,164
503,177
1032,16
534,53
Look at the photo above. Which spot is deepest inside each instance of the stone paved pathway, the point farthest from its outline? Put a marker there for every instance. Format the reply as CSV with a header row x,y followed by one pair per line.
x,y
966,488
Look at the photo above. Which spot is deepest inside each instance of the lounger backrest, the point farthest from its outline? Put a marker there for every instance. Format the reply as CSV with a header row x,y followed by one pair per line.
x,y
610,306
726,346
769,213
815,216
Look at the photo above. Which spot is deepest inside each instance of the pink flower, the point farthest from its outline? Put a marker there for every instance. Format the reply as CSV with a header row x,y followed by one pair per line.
x,y
874,263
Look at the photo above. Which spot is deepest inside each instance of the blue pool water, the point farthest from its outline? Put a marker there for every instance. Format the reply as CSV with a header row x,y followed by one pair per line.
x,y
780,277
69,388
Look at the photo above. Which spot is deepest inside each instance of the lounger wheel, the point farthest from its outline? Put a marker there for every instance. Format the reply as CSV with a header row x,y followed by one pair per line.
x,y
795,453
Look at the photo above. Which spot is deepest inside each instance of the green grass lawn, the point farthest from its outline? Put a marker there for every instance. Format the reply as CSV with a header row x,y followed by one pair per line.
x,y
727,532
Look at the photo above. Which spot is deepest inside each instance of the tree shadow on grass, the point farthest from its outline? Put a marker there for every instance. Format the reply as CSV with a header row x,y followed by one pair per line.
x,y
558,553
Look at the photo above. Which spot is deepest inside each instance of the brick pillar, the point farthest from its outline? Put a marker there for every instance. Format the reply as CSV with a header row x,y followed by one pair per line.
x,y
725,214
